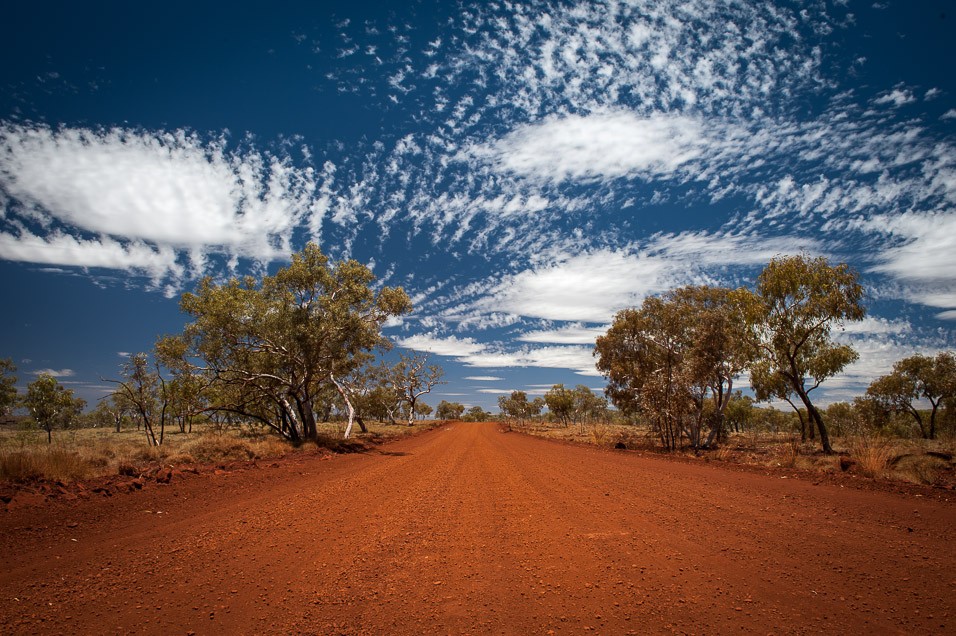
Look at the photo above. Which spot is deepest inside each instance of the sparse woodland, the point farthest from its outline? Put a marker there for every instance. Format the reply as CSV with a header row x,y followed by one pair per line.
x,y
300,355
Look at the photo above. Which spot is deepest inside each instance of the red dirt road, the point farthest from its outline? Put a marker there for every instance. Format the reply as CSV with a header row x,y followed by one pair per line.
x,y
468,530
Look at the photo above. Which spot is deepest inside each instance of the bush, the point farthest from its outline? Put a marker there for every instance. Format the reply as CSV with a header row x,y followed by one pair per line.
x,y
215,448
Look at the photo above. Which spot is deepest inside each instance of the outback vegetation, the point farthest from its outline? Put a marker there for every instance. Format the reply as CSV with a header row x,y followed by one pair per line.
x,y
300,354
294,354
674,364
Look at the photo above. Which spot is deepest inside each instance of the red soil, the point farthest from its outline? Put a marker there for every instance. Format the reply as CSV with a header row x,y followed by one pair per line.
x,y
468,530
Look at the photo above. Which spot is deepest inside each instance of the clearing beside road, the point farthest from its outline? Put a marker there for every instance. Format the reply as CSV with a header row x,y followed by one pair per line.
x,y
469,530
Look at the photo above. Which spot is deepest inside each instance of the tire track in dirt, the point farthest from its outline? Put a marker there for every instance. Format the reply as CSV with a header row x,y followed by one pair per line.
x,y
469,530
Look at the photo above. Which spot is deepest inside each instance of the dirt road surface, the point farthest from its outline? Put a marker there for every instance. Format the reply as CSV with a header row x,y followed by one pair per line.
x,y
469,530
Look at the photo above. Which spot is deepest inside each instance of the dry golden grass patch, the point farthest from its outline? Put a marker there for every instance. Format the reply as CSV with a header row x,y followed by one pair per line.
x,y
81,454
879,457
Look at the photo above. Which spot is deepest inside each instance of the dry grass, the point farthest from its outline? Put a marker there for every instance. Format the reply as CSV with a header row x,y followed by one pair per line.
x,y
914,461
88,453
872,454
601,434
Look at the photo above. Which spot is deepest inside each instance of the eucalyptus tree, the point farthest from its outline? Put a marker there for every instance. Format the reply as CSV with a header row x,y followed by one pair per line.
x,y
449,410
411,378
8,386
276,344
146,391
423,410
51,404
797,303
914,378
519,407
675,360
477,414
587,406
560,402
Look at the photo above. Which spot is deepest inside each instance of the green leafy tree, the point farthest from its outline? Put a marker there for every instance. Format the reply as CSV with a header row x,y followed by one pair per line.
x,y
449,410
279,343
560,402
518,406
423,410
739,412
477,414
587,406
675,360
798,302
51,405
914,378
8,386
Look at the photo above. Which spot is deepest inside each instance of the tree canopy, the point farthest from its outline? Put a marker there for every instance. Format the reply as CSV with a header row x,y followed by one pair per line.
x,y
273,348
51,404
914,378
8,388
675,360
797,303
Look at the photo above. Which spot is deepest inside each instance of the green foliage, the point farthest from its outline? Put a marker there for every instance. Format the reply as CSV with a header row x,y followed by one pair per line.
x,y
518,407
571,406
449,410
272,350
411,378
560,403
913,378
51,405
8,389
674,360
797,303
477,414
144,390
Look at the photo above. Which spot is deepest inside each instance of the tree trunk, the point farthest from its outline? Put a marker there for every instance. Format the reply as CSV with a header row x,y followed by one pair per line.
x,y
293,419
814,416
348,405
932,418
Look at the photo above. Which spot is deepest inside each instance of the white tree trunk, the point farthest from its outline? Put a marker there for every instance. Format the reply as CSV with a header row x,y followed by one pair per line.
x,y
348,406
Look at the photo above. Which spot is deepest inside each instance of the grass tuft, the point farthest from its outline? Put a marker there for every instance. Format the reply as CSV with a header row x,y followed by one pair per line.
x,y
872,453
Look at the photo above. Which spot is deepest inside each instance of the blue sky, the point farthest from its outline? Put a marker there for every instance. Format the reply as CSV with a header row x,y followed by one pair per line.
x,y
523,169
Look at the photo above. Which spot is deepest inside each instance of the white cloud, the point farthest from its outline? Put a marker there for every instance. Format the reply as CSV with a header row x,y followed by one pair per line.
x,y
63,249
569,334
923,254
449,346
603,145
896,98
575,358
589,287
61,373
593,286
949,114
483,378
152,192
874,325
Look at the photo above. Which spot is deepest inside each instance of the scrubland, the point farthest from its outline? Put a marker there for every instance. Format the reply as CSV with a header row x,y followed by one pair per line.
x,y
871,456
87,453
